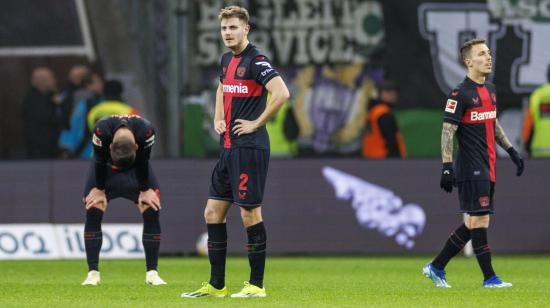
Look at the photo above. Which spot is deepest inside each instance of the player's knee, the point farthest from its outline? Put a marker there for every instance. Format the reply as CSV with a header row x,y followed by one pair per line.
x,y
251,216
151,221
93,219
479,221
212,216
100,206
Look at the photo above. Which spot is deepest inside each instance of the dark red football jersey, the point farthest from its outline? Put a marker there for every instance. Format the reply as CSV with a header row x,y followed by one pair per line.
x,y
473,107
243,79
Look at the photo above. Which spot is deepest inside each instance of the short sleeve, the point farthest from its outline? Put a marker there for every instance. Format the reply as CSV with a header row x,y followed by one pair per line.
x,y
454,107
101,138
263,70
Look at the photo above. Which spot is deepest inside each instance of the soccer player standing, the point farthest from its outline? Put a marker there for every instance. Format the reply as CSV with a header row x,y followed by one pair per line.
x,y
471,113
240,173
122,147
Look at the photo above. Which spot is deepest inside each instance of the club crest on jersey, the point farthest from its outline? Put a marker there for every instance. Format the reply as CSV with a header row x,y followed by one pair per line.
x,y
240,71
493,97
454,93
451,106
96,140
475,100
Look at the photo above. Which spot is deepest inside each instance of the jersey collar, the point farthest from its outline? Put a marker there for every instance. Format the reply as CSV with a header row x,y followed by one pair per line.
x,y
245,50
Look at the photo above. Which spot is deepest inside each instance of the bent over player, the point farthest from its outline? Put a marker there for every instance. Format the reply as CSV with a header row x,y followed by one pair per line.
x,y
240,173
120,168
471,113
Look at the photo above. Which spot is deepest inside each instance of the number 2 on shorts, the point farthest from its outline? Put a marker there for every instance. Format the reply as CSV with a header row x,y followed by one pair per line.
x,y
244,180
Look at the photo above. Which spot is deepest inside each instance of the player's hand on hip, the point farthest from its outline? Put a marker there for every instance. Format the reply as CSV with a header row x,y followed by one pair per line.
x,y
96,197
150,198
517,159
448,179
243,127
219,127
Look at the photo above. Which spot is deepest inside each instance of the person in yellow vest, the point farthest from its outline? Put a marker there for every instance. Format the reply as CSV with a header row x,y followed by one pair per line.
x,y
536,125
111,105
281,144
382,137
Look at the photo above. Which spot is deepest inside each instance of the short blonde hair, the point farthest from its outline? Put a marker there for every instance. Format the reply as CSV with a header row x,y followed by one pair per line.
x,y
467,47
234,11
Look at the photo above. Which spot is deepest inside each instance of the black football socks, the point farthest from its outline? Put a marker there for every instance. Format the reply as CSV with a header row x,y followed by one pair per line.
x,y
217,252
452,247
482,251
93,237
151,238
257,243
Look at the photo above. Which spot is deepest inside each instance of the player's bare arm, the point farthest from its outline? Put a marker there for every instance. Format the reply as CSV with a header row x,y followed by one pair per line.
x,y
279,95
500,136
447,135
219,122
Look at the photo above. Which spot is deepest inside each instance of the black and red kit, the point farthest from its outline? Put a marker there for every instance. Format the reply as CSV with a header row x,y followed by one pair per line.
x,y
240,173
473,107
103,174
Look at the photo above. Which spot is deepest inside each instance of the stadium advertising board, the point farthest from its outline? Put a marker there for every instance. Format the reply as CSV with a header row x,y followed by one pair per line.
x,y
65,241
321,206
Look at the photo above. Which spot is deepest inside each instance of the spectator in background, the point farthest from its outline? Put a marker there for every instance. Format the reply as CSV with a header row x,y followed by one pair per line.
x,y
111,104
536,125
382,138
41,123
75,142
71,94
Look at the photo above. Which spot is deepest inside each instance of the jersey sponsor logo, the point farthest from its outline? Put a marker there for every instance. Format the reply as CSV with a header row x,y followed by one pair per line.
x,y
480,116
451,106
264,63
267,71
378,208
96,140
240,88
484,201
240,71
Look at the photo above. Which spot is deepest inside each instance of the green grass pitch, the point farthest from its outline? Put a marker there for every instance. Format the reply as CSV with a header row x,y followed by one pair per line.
x,y
290,282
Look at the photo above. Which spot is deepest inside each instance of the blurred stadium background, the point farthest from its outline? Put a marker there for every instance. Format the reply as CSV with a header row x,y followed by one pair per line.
x,y
323,198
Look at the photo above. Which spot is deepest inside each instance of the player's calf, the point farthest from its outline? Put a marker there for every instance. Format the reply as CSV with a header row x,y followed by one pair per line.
x,y
93,237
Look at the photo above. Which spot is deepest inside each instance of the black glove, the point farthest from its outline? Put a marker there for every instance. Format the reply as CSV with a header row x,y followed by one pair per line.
x,y
518,161
447,177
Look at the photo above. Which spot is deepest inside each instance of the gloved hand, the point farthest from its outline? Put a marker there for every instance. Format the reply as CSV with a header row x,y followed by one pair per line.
x,y
517,159
448,179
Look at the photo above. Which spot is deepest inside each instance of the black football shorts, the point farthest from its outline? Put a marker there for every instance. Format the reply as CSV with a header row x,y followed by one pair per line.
x,y
239,176
121,184
476,197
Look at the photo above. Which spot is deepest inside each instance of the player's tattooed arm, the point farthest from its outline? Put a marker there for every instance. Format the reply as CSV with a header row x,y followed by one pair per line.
x,y
500,137
447,135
